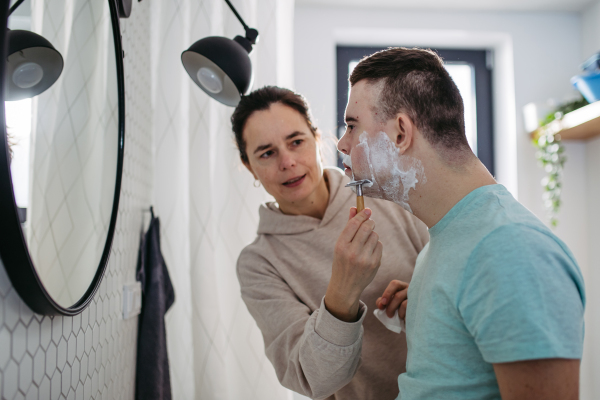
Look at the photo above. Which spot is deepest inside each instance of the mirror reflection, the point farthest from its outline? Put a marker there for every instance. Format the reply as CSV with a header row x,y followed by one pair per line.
x,y
64,146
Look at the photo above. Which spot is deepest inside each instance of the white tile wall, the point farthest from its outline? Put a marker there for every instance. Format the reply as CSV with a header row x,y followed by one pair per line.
x,y
92,355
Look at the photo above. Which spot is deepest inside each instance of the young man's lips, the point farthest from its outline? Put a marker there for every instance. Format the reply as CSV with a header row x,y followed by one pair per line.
x,y
295,181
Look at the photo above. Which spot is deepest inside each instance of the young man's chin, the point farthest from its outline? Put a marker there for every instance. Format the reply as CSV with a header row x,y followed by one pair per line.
x,y
373,193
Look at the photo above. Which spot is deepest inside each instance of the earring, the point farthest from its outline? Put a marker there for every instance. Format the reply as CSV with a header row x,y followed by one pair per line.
x,y
256,183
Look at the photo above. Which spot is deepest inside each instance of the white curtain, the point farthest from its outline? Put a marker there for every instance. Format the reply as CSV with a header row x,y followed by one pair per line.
x,y
206,201
73,147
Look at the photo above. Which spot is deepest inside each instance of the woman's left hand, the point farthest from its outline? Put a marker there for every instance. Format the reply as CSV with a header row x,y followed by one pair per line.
x,y
394,299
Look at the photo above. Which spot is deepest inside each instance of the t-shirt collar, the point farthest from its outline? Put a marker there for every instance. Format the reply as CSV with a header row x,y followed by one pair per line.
x,y
460,206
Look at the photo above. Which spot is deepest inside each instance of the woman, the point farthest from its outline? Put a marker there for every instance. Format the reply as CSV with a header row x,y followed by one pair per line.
x,y
286,272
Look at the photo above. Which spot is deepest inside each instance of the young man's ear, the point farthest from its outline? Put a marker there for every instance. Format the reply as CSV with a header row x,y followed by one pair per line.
x,y
405,132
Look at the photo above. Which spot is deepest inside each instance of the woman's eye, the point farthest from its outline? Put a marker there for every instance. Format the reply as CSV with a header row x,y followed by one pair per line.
x,y
297,142
266,154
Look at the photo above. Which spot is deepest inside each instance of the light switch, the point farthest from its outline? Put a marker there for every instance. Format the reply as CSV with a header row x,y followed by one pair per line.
x,y
132,299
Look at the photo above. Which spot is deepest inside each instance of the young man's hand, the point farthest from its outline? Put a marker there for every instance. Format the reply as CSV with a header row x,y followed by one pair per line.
x,y
394,299
357,257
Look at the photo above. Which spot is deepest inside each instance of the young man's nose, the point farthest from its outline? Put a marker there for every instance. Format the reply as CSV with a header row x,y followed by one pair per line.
x,y
343,146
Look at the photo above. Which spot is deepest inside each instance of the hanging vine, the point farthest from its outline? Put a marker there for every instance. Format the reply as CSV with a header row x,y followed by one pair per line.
x,y
550,154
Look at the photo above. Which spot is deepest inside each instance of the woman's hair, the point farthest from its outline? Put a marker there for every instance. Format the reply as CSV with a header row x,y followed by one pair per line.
x,y
262,99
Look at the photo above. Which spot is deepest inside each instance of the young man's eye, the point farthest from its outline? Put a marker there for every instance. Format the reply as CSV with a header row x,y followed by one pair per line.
x,y
297,142
349,127
266,154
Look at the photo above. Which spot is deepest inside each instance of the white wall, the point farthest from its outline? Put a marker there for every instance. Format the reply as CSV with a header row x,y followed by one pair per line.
x,y
591,361
590,30
544,49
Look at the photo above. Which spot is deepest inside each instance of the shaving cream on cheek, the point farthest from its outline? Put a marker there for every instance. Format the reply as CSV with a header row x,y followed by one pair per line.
x,y
346,159
361,170
392,174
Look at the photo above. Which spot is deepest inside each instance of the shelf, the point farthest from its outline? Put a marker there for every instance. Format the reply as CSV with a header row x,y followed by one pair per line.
x,y
581,124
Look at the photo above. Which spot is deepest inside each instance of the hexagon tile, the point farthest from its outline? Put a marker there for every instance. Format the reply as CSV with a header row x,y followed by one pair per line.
x,y
91,355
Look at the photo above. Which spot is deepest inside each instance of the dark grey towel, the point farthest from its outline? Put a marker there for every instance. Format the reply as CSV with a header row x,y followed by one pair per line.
x,y
152,371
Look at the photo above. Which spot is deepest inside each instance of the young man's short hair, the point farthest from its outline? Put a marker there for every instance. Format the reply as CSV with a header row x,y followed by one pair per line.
x,y
415,82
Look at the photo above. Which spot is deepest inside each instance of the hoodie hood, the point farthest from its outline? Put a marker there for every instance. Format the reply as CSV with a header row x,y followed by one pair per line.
x,y
274,222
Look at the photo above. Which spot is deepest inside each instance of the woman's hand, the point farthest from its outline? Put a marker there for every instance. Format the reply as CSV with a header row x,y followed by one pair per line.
x,y
357,257
394,299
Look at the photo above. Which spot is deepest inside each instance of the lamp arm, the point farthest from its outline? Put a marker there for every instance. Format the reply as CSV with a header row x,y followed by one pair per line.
x,y
251,34
14,6
236,14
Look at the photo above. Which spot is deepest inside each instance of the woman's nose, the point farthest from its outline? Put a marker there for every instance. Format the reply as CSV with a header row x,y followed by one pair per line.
x,y
287,161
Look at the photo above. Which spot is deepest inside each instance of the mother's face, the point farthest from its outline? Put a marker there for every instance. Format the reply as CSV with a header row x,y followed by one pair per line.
x,y
283,153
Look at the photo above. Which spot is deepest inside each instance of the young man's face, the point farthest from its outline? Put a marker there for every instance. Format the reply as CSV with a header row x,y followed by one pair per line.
x,y
361,124
370,148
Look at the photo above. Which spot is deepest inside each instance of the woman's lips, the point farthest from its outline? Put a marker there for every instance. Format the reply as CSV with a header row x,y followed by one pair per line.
x,y
295,181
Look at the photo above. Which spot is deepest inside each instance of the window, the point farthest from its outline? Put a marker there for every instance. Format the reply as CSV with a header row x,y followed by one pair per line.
x,y
470,70
18,126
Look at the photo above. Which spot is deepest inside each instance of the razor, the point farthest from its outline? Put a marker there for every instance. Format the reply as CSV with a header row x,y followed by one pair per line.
x,y
360,201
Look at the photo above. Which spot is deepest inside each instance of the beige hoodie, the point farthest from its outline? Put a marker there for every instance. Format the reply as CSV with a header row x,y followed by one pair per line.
x,y
283,276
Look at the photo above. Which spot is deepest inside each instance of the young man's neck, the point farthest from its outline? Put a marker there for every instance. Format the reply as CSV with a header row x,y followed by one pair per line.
x,y
445,187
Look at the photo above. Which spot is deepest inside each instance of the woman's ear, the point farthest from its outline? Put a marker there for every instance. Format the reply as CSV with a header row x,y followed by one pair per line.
x,y
247,165
405,132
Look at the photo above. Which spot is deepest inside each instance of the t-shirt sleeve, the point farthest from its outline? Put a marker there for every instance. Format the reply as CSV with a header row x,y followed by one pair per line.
x,y
522,297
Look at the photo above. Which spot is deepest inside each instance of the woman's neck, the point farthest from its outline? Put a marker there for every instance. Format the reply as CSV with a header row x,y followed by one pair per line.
x,y
314,205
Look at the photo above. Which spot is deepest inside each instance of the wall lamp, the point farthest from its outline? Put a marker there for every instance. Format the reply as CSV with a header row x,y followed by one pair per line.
x,y
32,65
221,66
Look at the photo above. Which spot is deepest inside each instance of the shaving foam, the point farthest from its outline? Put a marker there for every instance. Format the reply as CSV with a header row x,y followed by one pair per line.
x,y
346,159
391,173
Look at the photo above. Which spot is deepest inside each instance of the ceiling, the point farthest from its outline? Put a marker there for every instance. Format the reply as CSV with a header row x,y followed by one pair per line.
x,y
462,5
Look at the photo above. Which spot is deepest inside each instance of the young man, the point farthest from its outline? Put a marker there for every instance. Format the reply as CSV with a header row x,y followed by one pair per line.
x,y
496,300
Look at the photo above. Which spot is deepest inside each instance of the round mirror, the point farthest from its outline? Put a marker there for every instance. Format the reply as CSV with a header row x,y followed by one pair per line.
x,y
62,149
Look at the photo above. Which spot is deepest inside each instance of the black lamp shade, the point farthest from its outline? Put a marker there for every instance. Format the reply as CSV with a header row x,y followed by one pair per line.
x,y
225,65
33,65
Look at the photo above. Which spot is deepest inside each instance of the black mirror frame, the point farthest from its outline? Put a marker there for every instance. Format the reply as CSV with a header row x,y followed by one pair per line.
x,y
13,247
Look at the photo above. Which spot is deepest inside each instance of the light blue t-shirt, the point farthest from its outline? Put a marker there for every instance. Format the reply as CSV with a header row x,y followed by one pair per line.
x,y
493,285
